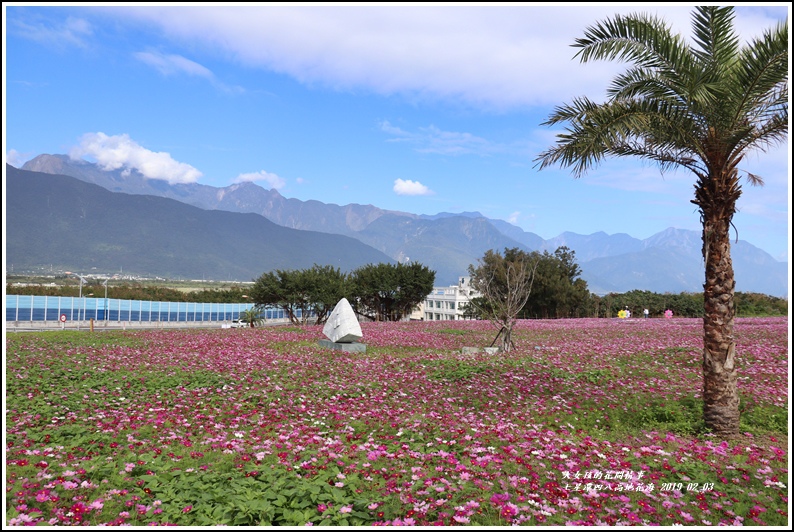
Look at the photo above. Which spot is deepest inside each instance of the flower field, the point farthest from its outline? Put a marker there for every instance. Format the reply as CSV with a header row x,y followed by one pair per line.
x,y
586,422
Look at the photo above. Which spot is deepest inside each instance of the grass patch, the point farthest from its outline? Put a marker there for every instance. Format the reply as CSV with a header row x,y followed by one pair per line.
x,y
457,332
455,370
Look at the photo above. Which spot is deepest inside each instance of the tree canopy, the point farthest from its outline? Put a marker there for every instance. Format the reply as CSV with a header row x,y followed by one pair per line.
x,y
388,292
302,294
381,292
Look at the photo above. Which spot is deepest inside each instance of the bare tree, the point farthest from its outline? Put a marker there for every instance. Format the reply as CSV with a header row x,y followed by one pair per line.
x,y
504,284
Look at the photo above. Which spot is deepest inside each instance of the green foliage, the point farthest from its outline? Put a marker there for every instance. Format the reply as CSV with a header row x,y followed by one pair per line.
x,y
455,370
680,416
456,332
388,292
302,294
259,497
557,291
504,283
252,316
381,292
757,417
683,305
749,304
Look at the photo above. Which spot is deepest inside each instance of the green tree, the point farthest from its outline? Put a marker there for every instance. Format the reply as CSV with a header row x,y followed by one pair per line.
x,y
252,316
302,294
504,283
388,292
702,107
328,286
557,290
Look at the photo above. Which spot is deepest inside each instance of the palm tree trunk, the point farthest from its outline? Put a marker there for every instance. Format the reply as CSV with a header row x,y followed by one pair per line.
x,y
720,394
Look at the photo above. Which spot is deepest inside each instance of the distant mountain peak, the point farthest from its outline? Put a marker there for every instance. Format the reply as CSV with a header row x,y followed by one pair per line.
x,y
465,214
48,164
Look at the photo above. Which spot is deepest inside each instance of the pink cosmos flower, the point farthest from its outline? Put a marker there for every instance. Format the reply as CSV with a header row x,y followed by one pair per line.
x,y
509,510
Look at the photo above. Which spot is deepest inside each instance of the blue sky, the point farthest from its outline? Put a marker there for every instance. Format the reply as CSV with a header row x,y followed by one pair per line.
x,y
422,109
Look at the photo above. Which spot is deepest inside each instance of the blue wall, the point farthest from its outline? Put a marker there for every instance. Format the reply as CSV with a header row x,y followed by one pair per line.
x,y
51,308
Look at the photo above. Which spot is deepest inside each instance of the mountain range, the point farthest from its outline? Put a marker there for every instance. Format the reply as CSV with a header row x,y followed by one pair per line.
x,y
351,235
62,221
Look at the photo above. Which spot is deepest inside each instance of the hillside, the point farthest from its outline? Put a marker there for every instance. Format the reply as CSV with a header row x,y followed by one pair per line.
x,y
60,220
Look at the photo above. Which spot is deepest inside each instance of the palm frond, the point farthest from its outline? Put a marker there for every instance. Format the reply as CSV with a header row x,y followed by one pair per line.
x,y
648,129
637,39
713,32
763,73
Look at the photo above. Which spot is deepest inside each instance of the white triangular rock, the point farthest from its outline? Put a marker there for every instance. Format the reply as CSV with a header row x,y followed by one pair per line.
x,y
342,325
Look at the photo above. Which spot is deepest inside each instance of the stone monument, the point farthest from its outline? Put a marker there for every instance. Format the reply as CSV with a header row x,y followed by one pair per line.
x,y
343,330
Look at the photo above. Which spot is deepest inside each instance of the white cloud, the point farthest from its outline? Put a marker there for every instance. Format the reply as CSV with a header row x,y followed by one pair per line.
x,y
119,151
410,188
172,64
15,159
71,32
497,57
513,218
272,180
431,139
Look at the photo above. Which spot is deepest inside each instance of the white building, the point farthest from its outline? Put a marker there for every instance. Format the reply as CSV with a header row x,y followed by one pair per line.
x,y
445,303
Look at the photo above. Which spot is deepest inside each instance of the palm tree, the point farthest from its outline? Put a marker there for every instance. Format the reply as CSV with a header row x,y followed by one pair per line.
x,y
252,316
702,107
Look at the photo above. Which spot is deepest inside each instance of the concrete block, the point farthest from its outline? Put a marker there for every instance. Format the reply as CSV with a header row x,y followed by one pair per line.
x,y
351,347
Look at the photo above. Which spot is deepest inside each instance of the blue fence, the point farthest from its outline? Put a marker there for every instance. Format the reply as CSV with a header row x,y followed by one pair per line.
x,y
52,308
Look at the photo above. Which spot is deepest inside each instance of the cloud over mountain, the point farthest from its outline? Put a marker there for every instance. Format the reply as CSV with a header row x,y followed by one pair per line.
x,y
121,152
